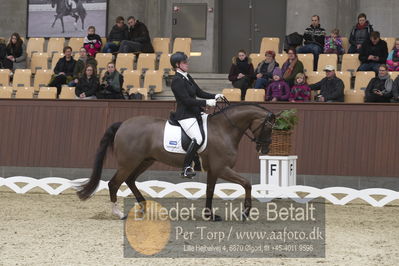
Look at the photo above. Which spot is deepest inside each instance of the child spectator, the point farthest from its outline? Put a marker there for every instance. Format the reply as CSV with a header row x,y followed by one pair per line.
x,y
300,92
278,90
92,42
393,57
333,43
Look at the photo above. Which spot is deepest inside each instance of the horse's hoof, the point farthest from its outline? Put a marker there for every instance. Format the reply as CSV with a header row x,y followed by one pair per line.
x,y
124,217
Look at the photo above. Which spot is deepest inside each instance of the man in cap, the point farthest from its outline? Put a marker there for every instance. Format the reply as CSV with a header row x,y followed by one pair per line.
x,y
331,88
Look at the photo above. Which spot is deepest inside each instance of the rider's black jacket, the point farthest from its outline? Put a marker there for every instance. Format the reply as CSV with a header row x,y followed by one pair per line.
x,y
185,92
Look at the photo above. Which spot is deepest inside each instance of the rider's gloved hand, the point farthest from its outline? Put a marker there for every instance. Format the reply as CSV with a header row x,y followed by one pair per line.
x,y
219,96
211,102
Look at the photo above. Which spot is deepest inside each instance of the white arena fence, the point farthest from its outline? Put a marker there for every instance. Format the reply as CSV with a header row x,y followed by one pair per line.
x,y
263,193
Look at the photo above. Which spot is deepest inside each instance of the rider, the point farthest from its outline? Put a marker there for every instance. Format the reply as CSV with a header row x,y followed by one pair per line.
x,y
189,109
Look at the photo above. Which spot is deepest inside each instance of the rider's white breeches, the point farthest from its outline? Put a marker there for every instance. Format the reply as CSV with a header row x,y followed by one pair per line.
x,y
192,129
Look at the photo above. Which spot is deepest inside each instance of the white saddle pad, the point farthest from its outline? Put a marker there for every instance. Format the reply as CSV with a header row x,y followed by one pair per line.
x,y
172,137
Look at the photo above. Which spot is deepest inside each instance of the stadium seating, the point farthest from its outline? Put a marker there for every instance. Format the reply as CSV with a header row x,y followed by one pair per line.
x,y
22,78
55,45
350,62
315,76
354,96
363,78
131,79
307,61
390,42
182,45
102,60
24,93
346,78
5,92
345,44
255,95
281,58
55,59
233,95
327,59
164,64
153,81
75,43
125,62
256,59
394,74
42,78
146,62
67,93
4,77
39,61
269,44
35,45
143,91
161,45
47,93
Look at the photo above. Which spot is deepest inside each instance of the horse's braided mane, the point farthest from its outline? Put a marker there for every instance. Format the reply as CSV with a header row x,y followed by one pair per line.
x,y
230,106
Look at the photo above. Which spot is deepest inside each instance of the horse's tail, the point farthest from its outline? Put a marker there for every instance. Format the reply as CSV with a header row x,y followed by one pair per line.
x,y
87,189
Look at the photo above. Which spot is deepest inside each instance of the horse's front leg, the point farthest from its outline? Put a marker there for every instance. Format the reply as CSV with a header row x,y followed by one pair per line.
x,y
210,189
230,175
62,23
55,19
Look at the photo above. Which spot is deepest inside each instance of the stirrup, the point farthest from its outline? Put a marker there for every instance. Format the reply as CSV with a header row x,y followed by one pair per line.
x,y
188,172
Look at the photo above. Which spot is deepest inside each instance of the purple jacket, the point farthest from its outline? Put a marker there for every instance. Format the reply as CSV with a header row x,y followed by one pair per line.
x,y
278,89
300,93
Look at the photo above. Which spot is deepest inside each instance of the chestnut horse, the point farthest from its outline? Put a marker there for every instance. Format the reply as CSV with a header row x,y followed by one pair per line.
x,y
138,143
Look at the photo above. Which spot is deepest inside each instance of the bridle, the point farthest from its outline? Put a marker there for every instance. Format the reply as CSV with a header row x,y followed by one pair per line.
x,y
258,139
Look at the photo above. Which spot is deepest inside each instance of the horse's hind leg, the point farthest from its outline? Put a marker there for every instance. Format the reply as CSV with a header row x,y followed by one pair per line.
x,y
55,19
113,185
131,181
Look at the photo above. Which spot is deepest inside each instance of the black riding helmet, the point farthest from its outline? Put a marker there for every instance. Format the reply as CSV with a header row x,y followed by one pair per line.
x,y
177,58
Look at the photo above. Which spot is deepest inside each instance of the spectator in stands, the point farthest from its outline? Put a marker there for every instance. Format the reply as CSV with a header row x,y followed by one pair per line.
x,y
264,70
395,90
278,89
291,67
80,66
4,62
111,84
241,72
63,71
16,52
333,43
88,84
116,36
360,33
314,40
373,53
331,87
380,88
92,42
138,38
393,57
300,92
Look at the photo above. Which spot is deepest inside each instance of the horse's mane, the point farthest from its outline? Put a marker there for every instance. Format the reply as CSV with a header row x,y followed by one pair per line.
x,y
231,106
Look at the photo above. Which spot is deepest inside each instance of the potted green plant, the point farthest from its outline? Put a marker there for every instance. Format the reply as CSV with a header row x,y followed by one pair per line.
x,y
282,130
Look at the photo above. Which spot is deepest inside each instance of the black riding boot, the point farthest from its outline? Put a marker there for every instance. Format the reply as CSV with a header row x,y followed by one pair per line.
x,y
188,171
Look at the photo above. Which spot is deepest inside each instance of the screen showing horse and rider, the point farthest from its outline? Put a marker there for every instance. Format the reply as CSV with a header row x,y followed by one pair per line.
x,y
66,18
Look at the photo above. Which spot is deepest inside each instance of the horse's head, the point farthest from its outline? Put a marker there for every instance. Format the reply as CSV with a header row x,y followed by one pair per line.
x,y
262,130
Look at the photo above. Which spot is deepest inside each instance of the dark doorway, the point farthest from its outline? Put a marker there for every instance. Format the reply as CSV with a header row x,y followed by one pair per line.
x,y
245,22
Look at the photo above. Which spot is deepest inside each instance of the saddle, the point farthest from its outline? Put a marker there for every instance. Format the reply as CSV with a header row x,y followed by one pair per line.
x,y
177,141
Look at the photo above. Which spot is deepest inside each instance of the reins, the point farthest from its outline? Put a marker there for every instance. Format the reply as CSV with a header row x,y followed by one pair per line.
x,y
257,140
